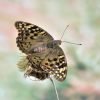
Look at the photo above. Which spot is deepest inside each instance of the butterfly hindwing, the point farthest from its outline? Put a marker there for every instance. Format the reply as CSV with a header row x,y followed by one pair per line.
x,y
30,35
37,74
31,68
35,62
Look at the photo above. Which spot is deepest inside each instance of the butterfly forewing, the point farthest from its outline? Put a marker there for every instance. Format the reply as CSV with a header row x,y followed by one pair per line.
x,y
30,35
55,63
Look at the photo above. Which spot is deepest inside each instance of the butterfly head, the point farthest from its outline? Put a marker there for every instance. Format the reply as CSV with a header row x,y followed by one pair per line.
x,y
57,42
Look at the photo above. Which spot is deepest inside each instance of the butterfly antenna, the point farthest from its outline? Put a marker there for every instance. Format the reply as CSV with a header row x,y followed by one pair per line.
x,y
68,41
72,43
55,88
64,31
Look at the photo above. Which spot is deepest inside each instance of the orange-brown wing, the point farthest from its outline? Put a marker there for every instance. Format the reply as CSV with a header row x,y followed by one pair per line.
x,y
55,63
30,35
32,68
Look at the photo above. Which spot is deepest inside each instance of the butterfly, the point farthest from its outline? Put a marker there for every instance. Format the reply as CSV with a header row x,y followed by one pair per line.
x,y
44,56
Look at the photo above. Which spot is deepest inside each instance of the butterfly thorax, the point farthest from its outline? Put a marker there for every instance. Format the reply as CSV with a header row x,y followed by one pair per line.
x,y
53,43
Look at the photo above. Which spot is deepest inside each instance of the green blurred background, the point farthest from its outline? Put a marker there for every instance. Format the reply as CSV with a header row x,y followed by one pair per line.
x,y
83,17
